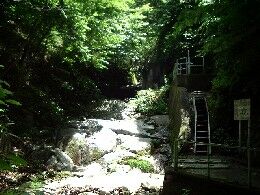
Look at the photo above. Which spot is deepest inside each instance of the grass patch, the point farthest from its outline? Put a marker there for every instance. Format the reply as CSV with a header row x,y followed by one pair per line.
x,y
144,165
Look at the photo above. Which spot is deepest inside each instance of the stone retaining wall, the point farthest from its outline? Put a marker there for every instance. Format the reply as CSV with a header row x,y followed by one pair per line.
x,y
179,113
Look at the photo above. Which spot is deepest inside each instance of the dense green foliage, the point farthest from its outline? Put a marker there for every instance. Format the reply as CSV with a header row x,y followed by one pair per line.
x,y
8,159
151,101
226,32
60,57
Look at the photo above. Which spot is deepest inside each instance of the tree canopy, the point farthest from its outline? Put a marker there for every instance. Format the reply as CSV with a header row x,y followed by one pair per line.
x,y
59,57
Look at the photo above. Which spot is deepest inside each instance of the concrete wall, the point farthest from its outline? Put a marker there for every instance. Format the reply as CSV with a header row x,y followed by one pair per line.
x,y
179,113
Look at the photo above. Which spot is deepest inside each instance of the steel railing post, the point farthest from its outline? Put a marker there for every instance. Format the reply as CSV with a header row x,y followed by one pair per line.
x,y
176,155
208,162
249,157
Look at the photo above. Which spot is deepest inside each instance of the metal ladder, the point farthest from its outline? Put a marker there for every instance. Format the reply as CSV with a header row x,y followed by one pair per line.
x,y
201,123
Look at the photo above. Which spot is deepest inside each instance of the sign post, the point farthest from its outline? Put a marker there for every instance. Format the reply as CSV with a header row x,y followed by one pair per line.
x,y
242,112
239,134
249,155
242,109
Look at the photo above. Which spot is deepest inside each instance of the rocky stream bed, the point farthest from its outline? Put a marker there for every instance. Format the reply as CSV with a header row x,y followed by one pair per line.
x,y
118,153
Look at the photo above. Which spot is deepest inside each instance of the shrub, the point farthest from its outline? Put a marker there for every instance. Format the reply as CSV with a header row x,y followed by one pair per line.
x,y
151,101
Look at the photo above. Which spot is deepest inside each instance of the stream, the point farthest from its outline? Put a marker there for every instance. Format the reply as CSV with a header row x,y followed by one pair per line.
x,y
119,152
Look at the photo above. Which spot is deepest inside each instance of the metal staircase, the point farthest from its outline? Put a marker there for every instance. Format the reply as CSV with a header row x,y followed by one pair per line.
x,y
201,123
189,73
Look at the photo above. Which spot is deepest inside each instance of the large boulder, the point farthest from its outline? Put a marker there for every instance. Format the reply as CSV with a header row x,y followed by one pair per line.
x,y
60,161
83,149
78,149
135,144
101,143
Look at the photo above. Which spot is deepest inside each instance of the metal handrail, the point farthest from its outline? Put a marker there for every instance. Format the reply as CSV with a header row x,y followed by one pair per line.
x,y
187,65
222,145
196,65
247,148
195,123
208,124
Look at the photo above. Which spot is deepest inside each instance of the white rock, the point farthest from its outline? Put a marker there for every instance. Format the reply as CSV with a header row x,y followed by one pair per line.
x,y
136,172
132,181
107,183
155,181
79,136
104,140
116,156
109,141
119,169
93,169
134,144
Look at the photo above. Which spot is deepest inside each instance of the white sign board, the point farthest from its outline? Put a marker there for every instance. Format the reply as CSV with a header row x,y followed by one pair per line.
x,y
242,109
